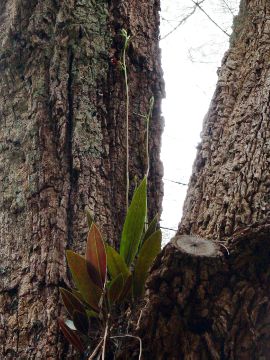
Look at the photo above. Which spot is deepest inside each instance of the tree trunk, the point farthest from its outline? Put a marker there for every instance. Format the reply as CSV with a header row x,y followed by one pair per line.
x,y
62,147
208,295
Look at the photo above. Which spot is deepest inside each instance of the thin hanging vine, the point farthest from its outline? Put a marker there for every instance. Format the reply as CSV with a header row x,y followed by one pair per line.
x,y
123,63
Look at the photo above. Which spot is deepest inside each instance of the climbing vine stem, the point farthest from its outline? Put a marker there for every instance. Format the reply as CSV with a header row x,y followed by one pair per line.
x,y
147,118
126,39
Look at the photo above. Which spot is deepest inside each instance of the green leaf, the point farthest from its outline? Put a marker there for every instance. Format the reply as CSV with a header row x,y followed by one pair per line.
x,y
71,302
148,252
151,228
81,322
96,256
116,264
134,224
115,288
71,336
92,314
126,292
90,292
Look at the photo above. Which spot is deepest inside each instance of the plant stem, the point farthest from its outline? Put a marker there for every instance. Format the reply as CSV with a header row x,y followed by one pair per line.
x,y
148,117
95,350
105,338
124,66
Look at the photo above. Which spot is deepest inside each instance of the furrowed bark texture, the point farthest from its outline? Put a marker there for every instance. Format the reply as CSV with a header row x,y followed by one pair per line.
x,y
62,148
210,307
217,307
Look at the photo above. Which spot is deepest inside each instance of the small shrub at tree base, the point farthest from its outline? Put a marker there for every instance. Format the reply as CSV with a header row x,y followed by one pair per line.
x,y
108,283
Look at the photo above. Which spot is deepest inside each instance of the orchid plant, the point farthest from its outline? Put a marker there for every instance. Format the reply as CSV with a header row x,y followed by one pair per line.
x,y
108,282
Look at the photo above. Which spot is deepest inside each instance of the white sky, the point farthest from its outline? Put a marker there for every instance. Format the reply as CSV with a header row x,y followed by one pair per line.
x,y
190,58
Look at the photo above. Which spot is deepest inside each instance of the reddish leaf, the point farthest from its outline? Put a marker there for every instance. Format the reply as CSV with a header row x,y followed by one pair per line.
x,y
90,292
71,336
96,256
81,322
71,302
78,295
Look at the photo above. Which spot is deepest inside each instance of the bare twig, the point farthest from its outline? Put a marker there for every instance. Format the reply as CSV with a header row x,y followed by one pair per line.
x,y
181,22
225,247
105,339
176,182
134,337
96,350
166,228
198,5
228,7
139,320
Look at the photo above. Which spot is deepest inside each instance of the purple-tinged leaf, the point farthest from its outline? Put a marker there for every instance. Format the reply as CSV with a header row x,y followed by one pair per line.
x,y
90,292
71,302
71,336
96,256
81,322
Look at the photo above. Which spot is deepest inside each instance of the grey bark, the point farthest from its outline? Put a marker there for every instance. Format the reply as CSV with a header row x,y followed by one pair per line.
x,y
62,148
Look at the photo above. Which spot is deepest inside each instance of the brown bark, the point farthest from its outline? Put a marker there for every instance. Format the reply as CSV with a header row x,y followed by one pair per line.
x,y
62,105
210,306
216,305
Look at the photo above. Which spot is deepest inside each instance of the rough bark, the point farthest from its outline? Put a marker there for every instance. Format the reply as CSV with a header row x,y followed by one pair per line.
x,y
62,148
210,306
216,306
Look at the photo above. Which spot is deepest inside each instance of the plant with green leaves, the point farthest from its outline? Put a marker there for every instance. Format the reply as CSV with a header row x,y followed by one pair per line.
x,y
108,282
